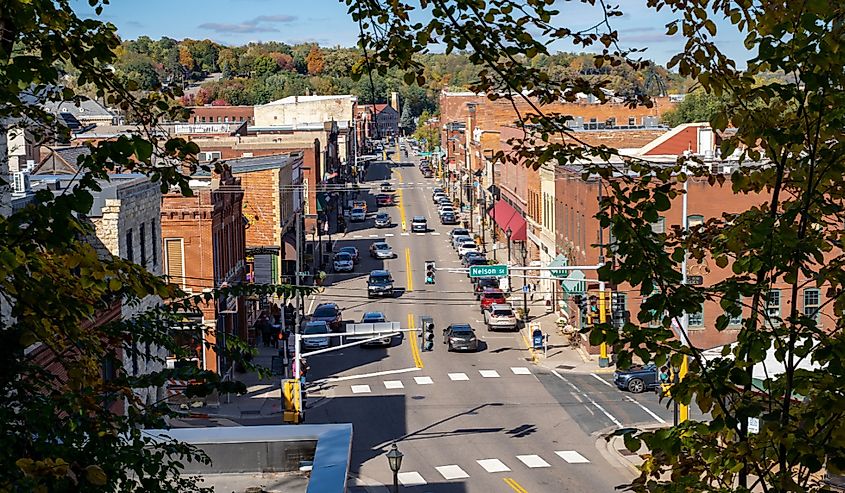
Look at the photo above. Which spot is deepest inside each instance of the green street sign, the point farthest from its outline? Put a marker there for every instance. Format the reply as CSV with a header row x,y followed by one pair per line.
x,y
488,271
559,261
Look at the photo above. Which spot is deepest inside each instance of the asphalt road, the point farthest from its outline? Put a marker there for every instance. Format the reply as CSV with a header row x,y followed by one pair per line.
x,y
467,422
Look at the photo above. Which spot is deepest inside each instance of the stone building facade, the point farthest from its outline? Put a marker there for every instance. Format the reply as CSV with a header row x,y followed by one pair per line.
x,y
126,216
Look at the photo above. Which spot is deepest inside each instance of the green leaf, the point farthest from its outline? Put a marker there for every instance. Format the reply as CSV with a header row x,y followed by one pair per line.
x,y
95,475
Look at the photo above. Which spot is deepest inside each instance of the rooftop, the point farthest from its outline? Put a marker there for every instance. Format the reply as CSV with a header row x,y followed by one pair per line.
x,y
85,109
260,163
309,99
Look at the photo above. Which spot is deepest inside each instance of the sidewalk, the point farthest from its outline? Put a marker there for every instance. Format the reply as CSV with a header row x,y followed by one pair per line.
x,y
559,355
263,397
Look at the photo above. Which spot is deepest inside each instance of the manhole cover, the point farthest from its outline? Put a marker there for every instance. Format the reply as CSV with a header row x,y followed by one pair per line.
x,y
565,367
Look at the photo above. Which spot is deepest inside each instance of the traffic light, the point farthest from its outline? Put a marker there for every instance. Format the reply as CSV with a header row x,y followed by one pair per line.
x,y
428,336
619,314
429,271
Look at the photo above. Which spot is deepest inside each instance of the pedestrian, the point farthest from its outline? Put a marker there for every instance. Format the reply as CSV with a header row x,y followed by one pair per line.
x,y
263,326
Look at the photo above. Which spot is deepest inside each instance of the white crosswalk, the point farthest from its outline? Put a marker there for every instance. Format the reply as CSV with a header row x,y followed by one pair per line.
x,y
429,380
451,472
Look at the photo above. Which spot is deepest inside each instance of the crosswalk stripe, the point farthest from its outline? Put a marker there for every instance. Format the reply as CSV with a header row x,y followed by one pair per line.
x,y
357,236
360,389
572,457
520,370
493,465
435,233
373,236
412,478
388,235
458,376
405,234
452,472
423,380
533,461
393,384
489,373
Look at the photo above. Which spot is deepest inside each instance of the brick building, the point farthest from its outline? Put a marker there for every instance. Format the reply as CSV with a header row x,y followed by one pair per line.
x,y
203,238
382,120
222,114
272,196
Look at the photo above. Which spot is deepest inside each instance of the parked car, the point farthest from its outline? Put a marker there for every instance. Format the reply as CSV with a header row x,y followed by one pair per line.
x,y
458,232
315,327
419,224
351,250
372,318
428,173
386,187
343,262
358,215
490,297
383,220
638,378
446,208
384,199
467,246
436,191
501,317
329,313
459,240
483,283
448,218
470,261
381,250
380,283
436,196
460,337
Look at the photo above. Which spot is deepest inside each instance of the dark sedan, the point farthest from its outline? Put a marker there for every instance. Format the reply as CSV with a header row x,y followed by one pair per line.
x,y
637,378
460,337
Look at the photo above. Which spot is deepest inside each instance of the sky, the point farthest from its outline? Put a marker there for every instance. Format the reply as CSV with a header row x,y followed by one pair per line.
x,y
236,22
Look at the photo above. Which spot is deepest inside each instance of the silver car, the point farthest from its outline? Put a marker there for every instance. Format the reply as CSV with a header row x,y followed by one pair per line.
x,y
459,240
315,328
419,224
381,250
358,215
343,262
500,317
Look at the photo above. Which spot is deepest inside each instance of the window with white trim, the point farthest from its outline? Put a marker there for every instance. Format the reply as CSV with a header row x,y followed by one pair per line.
x,y
696,319
773,305
812,303
736,319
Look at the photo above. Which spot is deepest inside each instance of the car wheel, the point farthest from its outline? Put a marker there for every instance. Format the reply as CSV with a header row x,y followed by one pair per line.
x,y
449,348
636,385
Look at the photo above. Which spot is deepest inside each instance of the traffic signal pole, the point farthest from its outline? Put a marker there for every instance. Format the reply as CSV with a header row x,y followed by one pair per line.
x,y
604,361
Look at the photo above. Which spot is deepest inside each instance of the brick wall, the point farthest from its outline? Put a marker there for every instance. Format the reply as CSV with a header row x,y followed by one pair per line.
x,y
222,114
262,207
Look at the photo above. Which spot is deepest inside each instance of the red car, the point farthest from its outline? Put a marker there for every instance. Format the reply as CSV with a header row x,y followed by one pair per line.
x,y
383,199
491,296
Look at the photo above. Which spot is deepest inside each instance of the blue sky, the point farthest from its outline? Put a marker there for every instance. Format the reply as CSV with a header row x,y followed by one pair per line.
x,y
326,22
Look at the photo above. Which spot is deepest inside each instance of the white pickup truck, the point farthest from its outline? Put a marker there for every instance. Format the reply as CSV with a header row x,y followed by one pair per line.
x,y
363,331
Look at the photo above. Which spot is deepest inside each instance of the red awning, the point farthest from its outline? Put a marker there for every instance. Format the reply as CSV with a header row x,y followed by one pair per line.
x,y
507,217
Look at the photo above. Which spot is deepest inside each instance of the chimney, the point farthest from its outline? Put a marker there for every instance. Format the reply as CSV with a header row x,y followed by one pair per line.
x,y
394,101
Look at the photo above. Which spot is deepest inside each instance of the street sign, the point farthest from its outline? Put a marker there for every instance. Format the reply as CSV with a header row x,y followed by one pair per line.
x,y
488,271
574,282
526,288
695,280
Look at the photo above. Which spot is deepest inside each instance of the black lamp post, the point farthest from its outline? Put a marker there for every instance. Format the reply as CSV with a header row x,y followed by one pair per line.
x,y
394,458
524,252
508,234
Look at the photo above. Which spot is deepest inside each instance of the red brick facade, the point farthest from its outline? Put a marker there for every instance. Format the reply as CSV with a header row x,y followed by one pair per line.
x,y
222,114
209,228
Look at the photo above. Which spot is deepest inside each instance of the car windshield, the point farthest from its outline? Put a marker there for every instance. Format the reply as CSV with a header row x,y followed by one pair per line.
x,y
461,330
494,296
373,317
419,219
349,250
316,329
460,232
343,257
380,279
382,216
463,239
325,311
357,211
381,246
468,245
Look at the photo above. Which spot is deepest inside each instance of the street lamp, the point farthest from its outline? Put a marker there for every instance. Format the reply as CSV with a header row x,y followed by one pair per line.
x,y
394,458
524,252
508,234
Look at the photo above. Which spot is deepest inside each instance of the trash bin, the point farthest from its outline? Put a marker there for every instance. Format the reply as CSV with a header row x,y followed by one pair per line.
x,y
537,339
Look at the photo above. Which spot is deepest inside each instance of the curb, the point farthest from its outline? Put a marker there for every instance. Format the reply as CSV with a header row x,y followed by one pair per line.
x,y
370,485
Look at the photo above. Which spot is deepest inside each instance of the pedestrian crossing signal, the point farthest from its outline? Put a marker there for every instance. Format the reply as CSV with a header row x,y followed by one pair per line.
x,y
429,271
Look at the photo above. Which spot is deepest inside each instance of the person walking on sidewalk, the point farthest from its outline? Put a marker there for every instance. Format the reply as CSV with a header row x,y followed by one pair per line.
x,y
264,326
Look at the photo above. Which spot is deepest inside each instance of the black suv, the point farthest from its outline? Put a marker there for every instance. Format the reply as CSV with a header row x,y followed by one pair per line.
x,y
380,283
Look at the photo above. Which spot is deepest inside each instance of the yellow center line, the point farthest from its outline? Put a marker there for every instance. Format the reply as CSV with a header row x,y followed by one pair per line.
x,y
413,338
401,201
409,286
514,485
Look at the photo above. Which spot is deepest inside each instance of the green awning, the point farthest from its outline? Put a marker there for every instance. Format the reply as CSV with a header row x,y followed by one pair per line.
x,y
322,202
